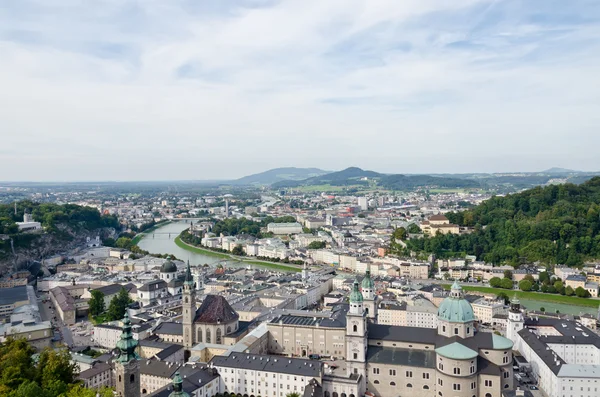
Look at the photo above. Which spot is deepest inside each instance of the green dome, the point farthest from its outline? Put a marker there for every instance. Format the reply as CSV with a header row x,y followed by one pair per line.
x,y
168,267
455,308
178,387
367,282
127,344
355,296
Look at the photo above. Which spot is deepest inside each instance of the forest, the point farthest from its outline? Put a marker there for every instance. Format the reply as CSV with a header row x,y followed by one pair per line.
x,y
557,224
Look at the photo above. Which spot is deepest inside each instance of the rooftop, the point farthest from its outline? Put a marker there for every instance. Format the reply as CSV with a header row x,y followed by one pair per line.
x,y
292,366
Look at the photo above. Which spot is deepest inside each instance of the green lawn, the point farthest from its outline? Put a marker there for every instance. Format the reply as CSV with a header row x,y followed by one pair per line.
x,y
536,296
100,319
272,265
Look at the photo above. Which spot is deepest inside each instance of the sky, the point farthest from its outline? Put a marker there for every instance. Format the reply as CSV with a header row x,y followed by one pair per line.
x,y
217,89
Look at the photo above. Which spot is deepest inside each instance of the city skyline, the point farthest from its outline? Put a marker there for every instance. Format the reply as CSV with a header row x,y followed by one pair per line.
x,y
180,91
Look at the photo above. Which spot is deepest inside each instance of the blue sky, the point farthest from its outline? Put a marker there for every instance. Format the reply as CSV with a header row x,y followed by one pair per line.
x,y
154,89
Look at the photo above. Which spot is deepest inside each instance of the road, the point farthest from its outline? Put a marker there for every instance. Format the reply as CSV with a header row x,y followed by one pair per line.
x,y
46,311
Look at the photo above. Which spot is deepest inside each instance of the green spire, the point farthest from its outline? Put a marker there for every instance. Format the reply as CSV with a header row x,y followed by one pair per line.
x,y
367,282
178,387
127,344
356,296
188,275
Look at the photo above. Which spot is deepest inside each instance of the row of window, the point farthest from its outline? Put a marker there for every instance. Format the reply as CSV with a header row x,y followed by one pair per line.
x,y
408,374
408,385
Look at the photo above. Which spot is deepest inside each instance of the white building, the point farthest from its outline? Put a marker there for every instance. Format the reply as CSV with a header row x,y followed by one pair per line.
x,y
485,309
284,228
564,355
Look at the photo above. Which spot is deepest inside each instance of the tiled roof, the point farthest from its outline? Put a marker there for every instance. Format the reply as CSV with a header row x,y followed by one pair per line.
x,y
215,309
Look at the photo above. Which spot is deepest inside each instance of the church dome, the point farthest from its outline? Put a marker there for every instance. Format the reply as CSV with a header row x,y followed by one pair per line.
x,y
168,267
355,295
367,282
455,308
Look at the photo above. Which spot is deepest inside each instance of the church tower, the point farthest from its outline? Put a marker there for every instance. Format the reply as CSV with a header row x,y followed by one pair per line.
x,y
515,320
127,366
305,272
189,308
356,334
370,299
178,387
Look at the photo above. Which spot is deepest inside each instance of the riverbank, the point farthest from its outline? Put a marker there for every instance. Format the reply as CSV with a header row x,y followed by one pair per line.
x,y
534,296
273,265
138,237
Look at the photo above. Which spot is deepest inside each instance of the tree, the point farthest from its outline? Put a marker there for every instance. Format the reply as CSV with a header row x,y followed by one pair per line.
x,y
495,282
529,277
293,394
315,245
569,291
508,274
504,297
525,285
80,391
238,250
543,309
582,292
506,283
558,285
123,242
118,305
413,228
535,287
96,303
400,233
544,277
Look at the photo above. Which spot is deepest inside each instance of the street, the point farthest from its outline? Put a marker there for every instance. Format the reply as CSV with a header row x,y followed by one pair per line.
x,y
48,313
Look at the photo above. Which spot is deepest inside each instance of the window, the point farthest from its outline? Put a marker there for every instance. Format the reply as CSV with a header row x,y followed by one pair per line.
x,y
354,328
409,385
425,387
504,359
392,383
376,381
455,331
443,328
208,336
488,383
440,382
473,385
441,366
409,374
132,378
425,375
472,369
456,386
376,371
218,339
356,356
456,371
506,375
392,372
468,330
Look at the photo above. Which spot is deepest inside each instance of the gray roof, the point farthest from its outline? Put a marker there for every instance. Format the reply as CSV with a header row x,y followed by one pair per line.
x,y
278,364
9,296
193,379
114,289
168,352
153,285
576,277
169,329
158,368
98,368
404,334
398,356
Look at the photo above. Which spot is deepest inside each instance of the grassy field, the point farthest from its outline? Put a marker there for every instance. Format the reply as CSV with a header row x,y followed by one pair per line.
x,y
534,296
271,265
141,235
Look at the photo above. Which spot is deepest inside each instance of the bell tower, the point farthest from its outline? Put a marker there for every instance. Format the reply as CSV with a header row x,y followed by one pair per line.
x,y
515,320
370,299
189,308
356,334
127,366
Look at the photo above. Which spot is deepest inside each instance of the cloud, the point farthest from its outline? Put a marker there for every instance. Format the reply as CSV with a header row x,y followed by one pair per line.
x,y
112,89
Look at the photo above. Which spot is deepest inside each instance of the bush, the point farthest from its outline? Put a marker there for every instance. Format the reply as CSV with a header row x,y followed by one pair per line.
x,y
525,285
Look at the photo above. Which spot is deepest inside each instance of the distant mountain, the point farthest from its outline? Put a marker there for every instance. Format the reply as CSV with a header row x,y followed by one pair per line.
x,y
279,174
558,170
357,176
349,176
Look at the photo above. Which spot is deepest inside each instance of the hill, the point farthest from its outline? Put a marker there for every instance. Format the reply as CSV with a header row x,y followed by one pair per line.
x,y
279,174
357,176
349,176
558,224
558,170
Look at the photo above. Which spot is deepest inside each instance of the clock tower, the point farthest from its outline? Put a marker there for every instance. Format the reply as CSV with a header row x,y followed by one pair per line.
x,y
188,308
356,334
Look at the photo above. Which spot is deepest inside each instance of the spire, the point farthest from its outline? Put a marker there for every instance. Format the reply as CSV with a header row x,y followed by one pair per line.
x,y
127,344
178,387
188,274
356,296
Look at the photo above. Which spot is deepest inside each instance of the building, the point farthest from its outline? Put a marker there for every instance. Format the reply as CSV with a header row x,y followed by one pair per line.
x,y
439,224
363,203
485,309
450,360
127,366
97,377
284,228
575,281
564,355
12,298
28,224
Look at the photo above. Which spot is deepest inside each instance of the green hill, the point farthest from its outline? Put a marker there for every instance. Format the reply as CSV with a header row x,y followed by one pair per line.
x,y
558,224
279,174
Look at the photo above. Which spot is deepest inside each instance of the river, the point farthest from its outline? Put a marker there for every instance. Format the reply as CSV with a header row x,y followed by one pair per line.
x,y
162,241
